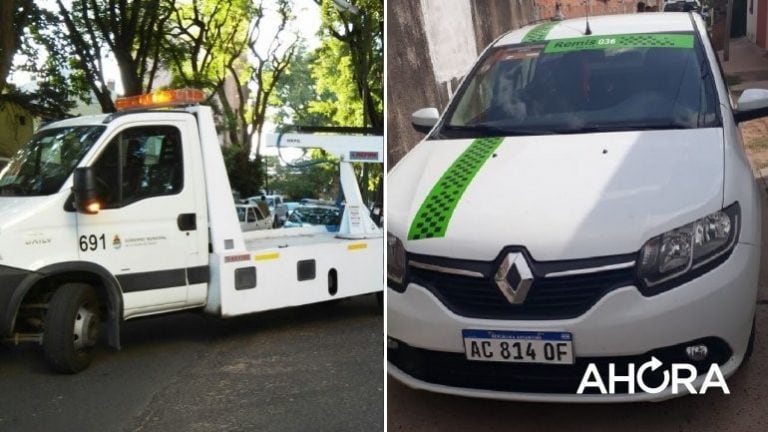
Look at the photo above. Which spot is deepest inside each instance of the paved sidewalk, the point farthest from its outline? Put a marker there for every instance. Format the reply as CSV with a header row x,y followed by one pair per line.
x,y
748,63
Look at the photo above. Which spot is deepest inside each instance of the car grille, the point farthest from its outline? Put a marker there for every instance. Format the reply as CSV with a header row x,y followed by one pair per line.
x,y
548,298
454,370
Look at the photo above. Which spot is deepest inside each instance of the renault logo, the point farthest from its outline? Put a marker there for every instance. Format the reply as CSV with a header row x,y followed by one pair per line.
x,y
514,278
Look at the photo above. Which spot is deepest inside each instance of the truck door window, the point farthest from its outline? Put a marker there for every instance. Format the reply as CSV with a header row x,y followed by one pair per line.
x,y
251,215
140,163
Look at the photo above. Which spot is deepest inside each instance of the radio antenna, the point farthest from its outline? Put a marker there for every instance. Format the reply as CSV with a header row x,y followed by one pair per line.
x,y
588,31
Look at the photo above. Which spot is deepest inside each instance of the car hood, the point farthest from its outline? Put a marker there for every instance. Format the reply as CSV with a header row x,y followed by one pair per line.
x,y
559,196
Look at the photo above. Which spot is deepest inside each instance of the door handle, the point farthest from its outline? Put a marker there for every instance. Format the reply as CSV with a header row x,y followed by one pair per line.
x,y
187,222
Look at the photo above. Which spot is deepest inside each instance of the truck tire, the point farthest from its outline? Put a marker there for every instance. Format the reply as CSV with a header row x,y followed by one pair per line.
x,y
71,328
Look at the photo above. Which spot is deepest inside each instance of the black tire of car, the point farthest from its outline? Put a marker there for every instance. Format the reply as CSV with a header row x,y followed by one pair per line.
x,y
68,305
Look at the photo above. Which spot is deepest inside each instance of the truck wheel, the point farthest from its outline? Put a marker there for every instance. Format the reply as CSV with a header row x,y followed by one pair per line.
x,y
71,328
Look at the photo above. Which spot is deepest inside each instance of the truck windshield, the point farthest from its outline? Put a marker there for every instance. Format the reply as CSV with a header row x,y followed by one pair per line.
x,y
48,159
586,84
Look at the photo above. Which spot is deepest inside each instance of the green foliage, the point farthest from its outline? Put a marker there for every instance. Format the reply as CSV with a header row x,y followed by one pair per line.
x,y
315,181
351,59
40,42
333,73
245,174
205,40
296,92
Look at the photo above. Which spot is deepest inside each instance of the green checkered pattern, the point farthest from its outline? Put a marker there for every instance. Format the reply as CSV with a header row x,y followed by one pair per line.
x,y
431,221
619,41
539,33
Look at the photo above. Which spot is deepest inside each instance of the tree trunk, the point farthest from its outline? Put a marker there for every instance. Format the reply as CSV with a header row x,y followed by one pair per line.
x,y
7,40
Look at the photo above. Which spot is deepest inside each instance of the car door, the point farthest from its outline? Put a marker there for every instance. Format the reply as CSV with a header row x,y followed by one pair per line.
x,y
146,230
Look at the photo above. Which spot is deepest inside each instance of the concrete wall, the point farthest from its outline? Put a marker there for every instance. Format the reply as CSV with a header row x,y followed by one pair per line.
x,y
431,44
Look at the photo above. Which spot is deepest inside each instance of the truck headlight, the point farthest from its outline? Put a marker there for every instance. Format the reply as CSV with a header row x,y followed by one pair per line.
x,y
686,252
395,262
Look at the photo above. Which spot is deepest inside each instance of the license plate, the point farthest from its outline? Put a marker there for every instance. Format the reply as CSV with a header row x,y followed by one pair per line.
x,y
518,346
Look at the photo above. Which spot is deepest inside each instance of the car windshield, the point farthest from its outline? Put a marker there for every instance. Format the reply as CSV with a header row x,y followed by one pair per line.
x,y
42,166
587,84
316,215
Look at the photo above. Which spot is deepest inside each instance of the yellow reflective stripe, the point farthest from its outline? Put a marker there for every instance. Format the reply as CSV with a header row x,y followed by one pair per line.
x,y
267,256
357,246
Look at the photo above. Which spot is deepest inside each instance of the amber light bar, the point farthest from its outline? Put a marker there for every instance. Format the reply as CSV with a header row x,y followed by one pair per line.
x,y
160,98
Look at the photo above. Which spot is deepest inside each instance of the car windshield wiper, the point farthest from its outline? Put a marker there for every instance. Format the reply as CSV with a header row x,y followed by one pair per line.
x,y
628,127
491,130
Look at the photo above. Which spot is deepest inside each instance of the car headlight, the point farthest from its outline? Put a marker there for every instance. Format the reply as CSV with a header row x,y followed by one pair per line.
x,y
686,252
395,262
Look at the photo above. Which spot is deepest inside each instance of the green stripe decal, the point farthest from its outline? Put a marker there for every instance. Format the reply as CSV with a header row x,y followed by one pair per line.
x,y
654,40
539,33
435,213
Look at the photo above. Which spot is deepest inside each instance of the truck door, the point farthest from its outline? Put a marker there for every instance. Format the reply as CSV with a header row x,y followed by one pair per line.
x,y
146,230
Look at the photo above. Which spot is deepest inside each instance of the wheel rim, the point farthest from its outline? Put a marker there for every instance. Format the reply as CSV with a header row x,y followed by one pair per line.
x,y
86,331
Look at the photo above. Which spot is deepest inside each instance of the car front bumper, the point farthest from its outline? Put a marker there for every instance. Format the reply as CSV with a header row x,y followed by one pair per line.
x,y
717,306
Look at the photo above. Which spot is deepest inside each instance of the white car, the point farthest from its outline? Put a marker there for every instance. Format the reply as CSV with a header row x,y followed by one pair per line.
x,y
252,217
582,200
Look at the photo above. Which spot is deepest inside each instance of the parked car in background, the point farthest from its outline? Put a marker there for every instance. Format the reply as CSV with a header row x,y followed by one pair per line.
x,y
252,217
314,215
275,204
686,6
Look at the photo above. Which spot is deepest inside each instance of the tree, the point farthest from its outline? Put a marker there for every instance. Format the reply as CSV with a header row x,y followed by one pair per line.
x,y
271,57
350,65
294,94
131,31
314,181
32,42
359,27
205,38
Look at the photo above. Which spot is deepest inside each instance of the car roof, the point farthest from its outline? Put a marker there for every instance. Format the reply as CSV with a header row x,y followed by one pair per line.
x,y
603,25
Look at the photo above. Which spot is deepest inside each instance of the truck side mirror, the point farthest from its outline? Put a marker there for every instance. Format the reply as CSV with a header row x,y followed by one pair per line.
x,y
425,119
84,190
752,104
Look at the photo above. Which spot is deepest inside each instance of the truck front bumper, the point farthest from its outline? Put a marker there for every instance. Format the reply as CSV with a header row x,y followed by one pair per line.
x,y
10,280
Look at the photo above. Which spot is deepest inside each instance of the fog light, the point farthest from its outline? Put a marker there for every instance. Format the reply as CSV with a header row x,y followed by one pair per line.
x,y
392,343
697,352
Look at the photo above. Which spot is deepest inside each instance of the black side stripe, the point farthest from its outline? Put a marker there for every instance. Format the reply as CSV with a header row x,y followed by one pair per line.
x,y
145,281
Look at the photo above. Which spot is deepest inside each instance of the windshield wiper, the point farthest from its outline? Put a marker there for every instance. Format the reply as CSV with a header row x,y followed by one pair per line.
x,y
492,131
629,127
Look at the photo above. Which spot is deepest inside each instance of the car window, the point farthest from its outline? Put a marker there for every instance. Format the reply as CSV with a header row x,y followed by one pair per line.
x,y
584,84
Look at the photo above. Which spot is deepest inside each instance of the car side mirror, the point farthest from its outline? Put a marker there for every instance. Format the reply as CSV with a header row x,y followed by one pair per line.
x,y
752,104
425,119
84,190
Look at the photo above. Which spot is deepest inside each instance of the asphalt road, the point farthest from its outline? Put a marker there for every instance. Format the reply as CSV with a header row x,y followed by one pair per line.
x,y
745,409
313,368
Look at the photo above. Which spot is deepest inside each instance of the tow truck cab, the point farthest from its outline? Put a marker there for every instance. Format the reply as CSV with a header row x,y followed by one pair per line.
x,y
111,217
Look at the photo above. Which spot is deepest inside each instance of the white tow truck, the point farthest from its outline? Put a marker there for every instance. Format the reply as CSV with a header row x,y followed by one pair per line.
x,y
112,217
